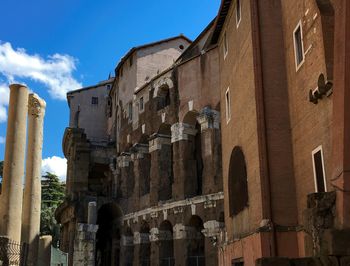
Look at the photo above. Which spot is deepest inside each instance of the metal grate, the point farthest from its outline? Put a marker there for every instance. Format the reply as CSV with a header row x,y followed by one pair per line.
x,y
12,253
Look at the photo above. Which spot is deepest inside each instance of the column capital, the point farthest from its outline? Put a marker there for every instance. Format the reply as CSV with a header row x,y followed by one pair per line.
x,y
36,105
212,228
182,131
138,150
209,118
157,140
123,160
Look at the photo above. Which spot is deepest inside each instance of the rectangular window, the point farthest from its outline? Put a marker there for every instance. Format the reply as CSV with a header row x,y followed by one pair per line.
x,y
319,172
141,104
228,105
130,110
130,60
238,12
94,100
225,45
298,46
237,262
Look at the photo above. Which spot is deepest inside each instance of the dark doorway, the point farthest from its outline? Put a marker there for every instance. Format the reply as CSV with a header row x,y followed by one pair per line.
x,y
108,235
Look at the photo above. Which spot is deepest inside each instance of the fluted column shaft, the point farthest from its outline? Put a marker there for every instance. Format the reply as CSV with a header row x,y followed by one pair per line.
x,y
12,186
32,190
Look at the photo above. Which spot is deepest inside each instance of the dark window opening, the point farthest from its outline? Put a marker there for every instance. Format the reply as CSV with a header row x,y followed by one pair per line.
x,y
130,111
163,99
238,12
319,173
130,61
181,47
94,100
237,262
299,53
141,104
237,181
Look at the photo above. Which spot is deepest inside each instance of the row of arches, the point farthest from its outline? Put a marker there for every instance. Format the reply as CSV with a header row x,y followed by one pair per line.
x,y
111,250
160,164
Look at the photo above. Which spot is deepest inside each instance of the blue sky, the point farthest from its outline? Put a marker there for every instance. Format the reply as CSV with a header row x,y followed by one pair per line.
x,y
58,45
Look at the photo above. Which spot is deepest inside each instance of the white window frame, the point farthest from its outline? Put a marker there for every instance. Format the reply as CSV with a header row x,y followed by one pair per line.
x,y
228,105
238,12
225,45
319,148
297,66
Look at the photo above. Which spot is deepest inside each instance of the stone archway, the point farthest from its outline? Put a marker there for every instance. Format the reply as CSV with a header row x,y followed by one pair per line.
x,y
145,245
196,242
166,244
237,182
196,149
108,235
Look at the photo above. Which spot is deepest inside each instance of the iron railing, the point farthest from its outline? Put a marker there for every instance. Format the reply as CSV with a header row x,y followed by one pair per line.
x,y
12,253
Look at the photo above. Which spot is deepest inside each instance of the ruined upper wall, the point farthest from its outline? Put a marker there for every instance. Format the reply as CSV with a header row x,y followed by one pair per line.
x,y
88,110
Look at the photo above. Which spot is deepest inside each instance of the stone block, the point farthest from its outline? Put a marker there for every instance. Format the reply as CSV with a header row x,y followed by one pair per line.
x,y
345,261
306,262
337,242
273,262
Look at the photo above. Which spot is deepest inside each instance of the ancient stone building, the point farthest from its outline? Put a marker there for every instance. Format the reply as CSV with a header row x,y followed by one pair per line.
x,y
146,147
284,130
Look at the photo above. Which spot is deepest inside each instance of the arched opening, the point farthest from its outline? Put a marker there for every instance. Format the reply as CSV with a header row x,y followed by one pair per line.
x,y
145,245
165,163
163,97
108,235
166,244
196,244
144,166
195,148
128,247
237,182
328,21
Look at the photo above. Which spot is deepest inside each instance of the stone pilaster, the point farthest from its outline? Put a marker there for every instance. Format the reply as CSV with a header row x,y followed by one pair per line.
x,y
142,162
32,191
209,121
12,186
84,245
185,171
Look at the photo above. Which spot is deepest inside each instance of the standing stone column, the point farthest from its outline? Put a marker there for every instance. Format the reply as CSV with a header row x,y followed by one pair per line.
x,y
12,186
32,190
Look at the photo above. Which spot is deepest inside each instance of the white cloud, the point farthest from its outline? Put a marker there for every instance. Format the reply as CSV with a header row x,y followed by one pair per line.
x,y
4,99
55,72
2,140
55,165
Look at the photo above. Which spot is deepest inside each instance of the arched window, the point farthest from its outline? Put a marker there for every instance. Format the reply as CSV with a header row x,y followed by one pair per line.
x,y
166,244
237,182
163,97
145,246
196,242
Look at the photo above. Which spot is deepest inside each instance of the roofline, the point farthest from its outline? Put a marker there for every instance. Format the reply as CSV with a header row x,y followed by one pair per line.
x,y
111,80
205,31
176,64
220,19
136,48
